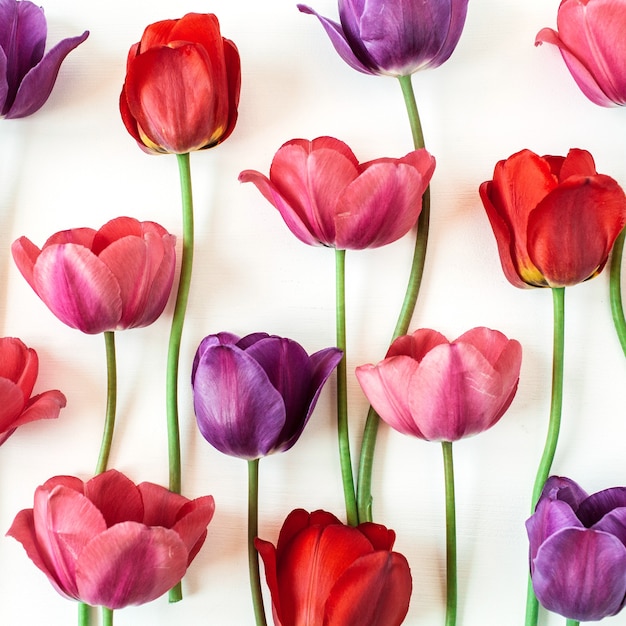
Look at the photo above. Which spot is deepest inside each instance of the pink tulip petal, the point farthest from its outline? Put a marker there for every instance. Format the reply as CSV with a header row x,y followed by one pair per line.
x,y
417,345
130,564
117,498
194,518
25,254
12,403
18,364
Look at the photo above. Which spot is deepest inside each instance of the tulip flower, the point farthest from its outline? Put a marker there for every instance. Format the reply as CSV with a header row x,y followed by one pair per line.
x,y
555,218
578,550
590,38
117,277
323,572
182,86
254,395
27,75
19,367
439,390
327,197
395,38
108,542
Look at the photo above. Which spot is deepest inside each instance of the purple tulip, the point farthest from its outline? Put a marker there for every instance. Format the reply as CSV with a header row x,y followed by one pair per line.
x,y
26,74
254,395
395,37
578,550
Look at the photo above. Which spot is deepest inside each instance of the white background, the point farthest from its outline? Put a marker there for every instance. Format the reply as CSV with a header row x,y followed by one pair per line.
x,y
73,164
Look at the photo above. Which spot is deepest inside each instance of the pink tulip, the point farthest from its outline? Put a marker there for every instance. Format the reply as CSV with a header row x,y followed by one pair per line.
x,y
109,542
327,197
19,367
439,390
591,40
117,277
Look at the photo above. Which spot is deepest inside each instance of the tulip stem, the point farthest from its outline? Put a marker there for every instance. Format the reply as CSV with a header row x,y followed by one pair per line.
x,y
109,421
615,289
554,425
84,614
173,355
253,531
572,622
451,570
107,616
370,432
342,391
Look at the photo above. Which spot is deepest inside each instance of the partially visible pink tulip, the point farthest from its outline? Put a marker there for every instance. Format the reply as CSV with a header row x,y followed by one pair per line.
x,y
591,40
109,542
114,278
19,366
327,197
439,390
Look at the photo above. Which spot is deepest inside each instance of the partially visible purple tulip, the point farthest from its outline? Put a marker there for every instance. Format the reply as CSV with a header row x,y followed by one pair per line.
x,y
578,550
254,395
27,76
395,37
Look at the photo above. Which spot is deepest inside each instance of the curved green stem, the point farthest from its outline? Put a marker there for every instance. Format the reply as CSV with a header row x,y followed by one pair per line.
x,y
173,355
342,391
615,289
107,616
451,570
554,426
84,614
253,531
370,432
109,421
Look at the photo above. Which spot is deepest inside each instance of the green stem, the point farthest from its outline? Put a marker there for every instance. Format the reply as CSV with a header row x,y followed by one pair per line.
x,y
342,392
615,289
572,622
370,432
173,355
451,574
107,616
253,531
84,614
554,425
109,421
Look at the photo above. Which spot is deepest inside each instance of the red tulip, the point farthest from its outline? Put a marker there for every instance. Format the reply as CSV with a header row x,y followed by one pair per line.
x,y
327,197
109,542
591,41
117,277
441,390
182,86
323,573
19,367
555,218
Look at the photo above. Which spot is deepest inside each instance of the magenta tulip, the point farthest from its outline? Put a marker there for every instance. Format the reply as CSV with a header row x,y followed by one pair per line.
x,y
591,40
322,572
439,390
109,542
117,277
327,197
19,367
27,75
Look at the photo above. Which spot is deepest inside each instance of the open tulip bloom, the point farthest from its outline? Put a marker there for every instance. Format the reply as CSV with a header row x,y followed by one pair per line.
x,y
578,550
27,75
108,542
19,366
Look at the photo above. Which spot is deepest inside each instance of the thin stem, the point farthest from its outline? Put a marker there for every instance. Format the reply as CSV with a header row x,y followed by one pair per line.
x,y
109,421
178,319
342,392
615,289
84,614
107,616
451,574
554,425
370,432
253,531
572,622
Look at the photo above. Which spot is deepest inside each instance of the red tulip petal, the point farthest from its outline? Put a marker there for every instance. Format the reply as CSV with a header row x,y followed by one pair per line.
x,y
416,345
130,564
12,404
78,288
298,520
374,591
200,28
46,405
81,236
117,498
18,363
25,254
267,552
572,231
381,537
577,163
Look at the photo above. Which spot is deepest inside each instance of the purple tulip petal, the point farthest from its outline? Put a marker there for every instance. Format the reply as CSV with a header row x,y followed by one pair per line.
x,y
206,344
614,523
229,388
130,564
37,85
564,489
581,574
597,505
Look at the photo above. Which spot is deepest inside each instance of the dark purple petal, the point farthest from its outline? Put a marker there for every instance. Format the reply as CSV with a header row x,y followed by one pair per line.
x,y
581,574
238,410
597,505
565,489
37,84
614,523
